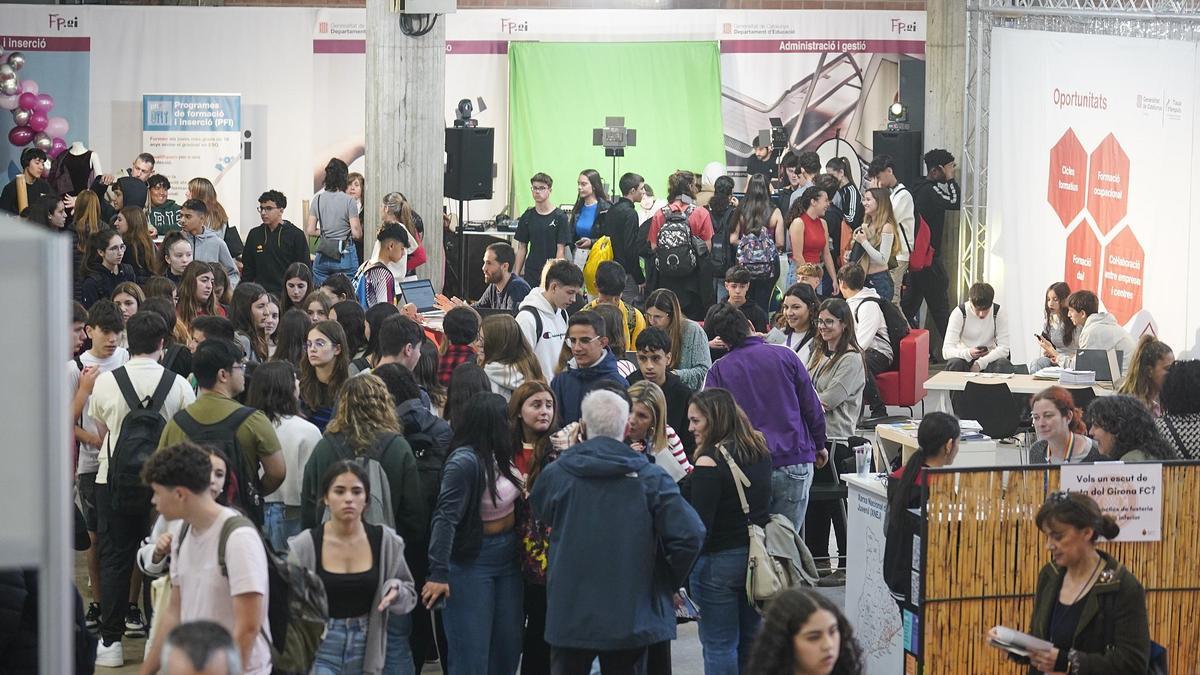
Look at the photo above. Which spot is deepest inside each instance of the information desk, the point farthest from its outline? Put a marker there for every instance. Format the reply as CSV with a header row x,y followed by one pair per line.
x,y
901,438
869,604
940,386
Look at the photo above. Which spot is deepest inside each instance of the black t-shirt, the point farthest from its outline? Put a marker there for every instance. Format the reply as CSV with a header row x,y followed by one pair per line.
x,y
767,167
38,190
542,234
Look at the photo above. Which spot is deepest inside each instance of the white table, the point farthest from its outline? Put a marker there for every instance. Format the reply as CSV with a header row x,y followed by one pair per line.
x,y
901,438
940,386
869,604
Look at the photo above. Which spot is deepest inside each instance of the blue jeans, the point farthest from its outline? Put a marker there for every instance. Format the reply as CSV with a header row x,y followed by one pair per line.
x,y
883,285
484,613
789,492
278,527
399,659
343,649
324,268
728,624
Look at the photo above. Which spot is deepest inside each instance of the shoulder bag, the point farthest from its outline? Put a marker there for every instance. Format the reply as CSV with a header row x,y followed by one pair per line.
x,y
329,248
764,578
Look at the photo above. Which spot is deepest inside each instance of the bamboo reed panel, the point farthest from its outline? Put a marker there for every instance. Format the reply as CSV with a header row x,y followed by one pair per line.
x,y
984,553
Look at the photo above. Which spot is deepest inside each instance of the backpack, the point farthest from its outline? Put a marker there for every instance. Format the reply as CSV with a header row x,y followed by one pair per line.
x,y
720,258
138,440
893,318
537,321
362,280
379,509
757,253
922,253
962,309
674,254
171,356
297,608
431,457
222,435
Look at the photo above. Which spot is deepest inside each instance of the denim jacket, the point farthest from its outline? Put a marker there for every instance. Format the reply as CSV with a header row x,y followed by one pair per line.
x,y
457,530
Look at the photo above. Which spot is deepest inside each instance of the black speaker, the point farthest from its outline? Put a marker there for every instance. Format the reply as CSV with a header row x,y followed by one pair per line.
x,y
904,147
452,284
469,163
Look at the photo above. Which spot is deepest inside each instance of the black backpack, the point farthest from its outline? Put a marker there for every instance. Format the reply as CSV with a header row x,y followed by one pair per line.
x,y
222,436
720,259
537,321
431,457
674,253
140,432
897,325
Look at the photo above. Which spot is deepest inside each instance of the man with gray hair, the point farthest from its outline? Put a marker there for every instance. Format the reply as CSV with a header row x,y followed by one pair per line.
x,y
200,648
622,540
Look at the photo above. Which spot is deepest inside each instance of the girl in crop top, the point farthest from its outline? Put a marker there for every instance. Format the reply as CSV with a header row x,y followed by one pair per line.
x,y
498,504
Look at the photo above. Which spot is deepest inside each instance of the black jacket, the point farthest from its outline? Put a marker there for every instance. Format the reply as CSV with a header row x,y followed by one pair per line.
x,y
456,531
931,201
602,208
267,255
621,226
100,284
19,627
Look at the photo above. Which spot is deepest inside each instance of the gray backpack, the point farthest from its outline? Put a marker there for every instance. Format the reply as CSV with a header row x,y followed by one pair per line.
x,y
379,509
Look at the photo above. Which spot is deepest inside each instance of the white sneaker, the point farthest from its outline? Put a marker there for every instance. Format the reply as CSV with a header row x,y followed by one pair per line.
x,y
110,656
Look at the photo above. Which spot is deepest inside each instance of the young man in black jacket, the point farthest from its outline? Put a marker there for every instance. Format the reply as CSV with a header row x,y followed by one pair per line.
x,y
933,196
621,227
273,246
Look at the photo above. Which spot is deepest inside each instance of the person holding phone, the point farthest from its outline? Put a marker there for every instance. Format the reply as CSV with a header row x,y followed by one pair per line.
x,y
977,338
1057,339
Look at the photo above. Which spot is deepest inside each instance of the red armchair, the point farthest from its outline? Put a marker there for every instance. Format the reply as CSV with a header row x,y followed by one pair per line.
x,y
905,386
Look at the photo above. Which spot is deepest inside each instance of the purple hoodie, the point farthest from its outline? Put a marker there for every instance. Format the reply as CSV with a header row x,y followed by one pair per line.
x,y
773,387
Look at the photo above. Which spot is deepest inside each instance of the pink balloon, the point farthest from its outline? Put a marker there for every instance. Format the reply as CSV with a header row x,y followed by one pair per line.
x,y
57,145
27,101
9,102
38,121
20,136
29,86
58,126
45,103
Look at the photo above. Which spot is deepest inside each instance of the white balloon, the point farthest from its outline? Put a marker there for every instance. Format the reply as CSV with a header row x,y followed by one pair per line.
x,y
10,87
21,117
16,60
7,73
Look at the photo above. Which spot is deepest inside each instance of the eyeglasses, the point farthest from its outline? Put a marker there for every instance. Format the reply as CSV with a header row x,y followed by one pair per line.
x,y
585,341
118,247
240,366
266,209
319,344
827,323
539,188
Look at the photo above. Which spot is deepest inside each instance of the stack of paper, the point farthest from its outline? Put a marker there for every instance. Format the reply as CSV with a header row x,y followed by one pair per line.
x,y
1077,377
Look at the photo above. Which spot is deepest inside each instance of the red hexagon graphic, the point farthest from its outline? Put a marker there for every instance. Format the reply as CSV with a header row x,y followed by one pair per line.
x,y
1083,259
1124,273
1108,184
1068,177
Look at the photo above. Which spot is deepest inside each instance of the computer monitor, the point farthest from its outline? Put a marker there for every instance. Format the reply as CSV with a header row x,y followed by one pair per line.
x,y
1106,363
420,293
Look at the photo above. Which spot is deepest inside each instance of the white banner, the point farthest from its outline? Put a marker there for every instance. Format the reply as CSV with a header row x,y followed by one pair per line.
x,y
1089,180
196,136
1130,493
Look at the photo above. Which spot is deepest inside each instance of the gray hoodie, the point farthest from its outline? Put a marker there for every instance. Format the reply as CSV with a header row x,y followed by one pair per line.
x,y
1101,331
208,246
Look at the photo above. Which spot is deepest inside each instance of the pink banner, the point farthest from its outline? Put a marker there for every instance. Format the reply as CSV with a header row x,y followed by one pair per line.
x,y
45,44
815,46
452,47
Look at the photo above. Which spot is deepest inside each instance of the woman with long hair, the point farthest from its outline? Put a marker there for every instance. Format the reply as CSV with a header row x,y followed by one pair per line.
x,y
1087,604
803,633
196,297
722,209
878,240
356,187
175,254
649,433
796,324
160,287
467,380
809,231
297,284
1147,371
131,224
247,312
690,358
353,319
291,338
105,268
1062,436
937,445
847,197
473,557
397,209
758,229
270,323
1124,429
733,467
275,390
222,291
218,220
1057,338
129,298
839,377
375,317
426,372
532,415
591,204
317,305
507,359
362,567
334,217
86,215
324,370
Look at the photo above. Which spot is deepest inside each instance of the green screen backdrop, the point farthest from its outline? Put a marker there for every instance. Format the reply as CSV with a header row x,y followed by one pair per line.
x,y
670,92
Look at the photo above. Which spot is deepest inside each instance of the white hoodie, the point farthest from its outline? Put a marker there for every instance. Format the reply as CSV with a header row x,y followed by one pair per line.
x,y
870,328
1101,331
505,378
547,346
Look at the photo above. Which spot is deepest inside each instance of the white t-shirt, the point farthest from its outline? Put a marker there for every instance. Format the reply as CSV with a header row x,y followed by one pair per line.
x,y
89,454
297,438
205,594
108,406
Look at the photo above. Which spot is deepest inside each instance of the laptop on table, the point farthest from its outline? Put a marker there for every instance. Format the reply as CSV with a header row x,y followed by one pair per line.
x,y
420,293
1106,363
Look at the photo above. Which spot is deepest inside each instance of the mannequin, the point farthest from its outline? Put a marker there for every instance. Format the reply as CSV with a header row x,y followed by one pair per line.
x,y
76,169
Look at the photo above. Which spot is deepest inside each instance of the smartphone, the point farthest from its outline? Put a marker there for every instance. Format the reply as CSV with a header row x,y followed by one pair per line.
x,y
439,605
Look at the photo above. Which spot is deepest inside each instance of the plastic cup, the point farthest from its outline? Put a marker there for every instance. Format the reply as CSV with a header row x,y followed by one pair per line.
x,y
862,459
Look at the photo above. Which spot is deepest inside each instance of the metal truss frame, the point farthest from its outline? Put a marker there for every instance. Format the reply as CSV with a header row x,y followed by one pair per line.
x,y
1162,19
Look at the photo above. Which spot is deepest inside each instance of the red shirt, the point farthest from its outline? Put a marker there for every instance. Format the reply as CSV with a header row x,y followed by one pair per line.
x,y
455,356
815,240
699,221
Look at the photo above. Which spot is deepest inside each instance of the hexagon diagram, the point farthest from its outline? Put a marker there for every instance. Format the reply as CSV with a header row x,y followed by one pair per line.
x,y
1124,273
1068,177
1083,259
1108,184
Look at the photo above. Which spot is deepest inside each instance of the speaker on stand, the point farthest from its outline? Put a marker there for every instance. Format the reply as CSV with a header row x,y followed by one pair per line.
x,y
469,158
904,147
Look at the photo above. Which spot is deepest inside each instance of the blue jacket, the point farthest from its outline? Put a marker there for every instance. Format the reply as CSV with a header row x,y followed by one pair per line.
x,y
773,387
622,540
456,530
570,386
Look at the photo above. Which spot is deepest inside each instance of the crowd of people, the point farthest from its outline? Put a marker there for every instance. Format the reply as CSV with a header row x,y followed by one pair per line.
x,y
535,481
